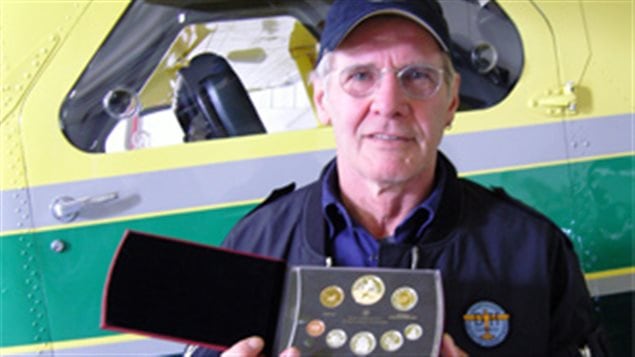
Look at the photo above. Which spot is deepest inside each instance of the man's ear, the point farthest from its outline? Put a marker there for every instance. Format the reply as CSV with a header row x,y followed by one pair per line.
x,y
319,100
453,104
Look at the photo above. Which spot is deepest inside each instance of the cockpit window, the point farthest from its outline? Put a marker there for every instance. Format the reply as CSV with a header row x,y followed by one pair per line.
x,y
211,84
486,50
172,72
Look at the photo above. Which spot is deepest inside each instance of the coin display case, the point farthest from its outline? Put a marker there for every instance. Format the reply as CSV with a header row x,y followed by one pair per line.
x,y
201,295
191,293
350,311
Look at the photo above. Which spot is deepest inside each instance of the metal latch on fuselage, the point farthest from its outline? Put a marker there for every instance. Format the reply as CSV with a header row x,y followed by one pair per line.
x,y
557,102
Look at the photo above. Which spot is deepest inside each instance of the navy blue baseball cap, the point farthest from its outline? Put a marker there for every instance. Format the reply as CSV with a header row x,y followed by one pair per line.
x,y
344,15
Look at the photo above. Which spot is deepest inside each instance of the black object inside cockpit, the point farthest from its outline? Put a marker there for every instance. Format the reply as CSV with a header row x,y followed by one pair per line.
x,y
211,101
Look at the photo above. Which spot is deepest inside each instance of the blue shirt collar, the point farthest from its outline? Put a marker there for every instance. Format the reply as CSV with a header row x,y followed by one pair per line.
x,y
338,218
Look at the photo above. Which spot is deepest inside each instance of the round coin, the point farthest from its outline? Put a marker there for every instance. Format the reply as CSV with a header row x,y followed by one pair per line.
x,y
368,289
391,341
404,298
336,338
315,328
331,296
363,343
413,332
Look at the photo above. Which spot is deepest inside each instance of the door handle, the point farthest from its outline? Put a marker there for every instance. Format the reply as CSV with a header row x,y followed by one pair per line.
x,y
66,209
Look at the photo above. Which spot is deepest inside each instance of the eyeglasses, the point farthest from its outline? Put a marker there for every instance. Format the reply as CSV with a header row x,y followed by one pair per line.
x,y
419,81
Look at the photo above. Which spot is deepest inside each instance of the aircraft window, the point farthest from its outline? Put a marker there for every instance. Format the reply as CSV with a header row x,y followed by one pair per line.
x,y
160,78
169,74
486,50
221,90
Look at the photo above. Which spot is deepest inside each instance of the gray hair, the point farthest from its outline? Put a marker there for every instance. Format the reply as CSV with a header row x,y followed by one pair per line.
x,y
323,68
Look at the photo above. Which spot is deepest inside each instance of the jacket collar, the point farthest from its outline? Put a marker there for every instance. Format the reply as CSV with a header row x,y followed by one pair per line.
x,y
448,212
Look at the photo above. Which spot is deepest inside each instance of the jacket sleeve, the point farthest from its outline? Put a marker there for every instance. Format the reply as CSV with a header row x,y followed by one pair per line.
x,y
575,329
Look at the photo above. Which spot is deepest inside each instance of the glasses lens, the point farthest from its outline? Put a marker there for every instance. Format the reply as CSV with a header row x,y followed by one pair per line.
x,y
420,81
359,81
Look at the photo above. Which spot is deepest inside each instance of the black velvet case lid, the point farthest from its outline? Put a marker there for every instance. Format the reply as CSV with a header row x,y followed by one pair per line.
x,y
190,292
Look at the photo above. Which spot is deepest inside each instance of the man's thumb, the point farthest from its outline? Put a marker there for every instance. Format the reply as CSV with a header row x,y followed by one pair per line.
x,y
251,346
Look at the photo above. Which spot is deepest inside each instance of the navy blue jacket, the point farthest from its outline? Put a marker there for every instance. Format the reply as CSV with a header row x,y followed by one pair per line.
x,y
492,250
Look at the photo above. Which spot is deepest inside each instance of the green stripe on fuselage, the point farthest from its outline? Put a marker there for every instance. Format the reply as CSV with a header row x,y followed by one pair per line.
x,y
592,201
70,282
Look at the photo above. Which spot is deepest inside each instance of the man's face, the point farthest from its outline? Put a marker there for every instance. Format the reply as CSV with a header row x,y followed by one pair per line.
x,y
386,137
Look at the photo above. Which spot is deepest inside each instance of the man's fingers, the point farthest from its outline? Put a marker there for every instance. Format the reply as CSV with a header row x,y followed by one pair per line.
x,y
249,347
290,352
449,349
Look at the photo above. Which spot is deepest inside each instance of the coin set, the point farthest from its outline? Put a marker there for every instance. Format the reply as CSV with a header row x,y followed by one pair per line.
x,y
367,290
364,343
341,311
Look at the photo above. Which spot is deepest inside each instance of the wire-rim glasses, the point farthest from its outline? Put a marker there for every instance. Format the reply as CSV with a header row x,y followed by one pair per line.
x,y
418,81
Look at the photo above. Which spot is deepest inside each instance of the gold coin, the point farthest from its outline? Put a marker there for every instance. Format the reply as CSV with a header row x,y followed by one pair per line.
x,y
368,289
404,298
391,341
331,296
363,343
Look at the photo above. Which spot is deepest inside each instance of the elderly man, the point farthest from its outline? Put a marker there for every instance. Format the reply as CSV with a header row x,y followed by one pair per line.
x,y
386,84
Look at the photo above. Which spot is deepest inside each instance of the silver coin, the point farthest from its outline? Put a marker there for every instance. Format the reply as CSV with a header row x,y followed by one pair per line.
x,y
363,343
391,340
368,289
336,338
413,332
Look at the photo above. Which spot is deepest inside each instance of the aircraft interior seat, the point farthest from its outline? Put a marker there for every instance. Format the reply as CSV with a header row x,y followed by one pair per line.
x,y
211,101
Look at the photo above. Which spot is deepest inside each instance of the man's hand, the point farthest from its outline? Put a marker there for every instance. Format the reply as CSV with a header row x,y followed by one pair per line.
x,y
449,349
252,347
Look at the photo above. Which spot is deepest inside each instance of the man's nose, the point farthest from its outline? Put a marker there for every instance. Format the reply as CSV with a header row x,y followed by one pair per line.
x,y
389,99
